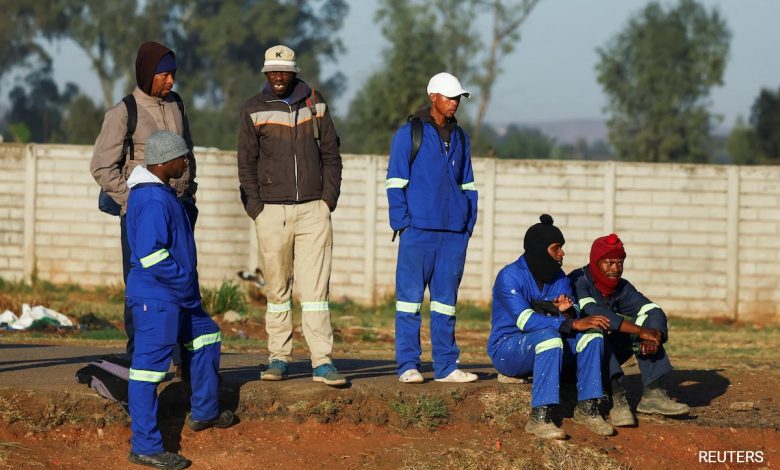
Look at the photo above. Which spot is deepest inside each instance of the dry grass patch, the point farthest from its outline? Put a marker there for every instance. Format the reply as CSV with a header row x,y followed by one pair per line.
x,y
422,411
502,405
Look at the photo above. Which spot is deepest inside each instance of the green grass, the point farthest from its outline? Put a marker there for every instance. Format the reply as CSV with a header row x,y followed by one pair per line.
x,y
228,296
422,411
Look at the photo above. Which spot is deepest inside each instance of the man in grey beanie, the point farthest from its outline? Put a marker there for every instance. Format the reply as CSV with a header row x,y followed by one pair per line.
x,y
164,296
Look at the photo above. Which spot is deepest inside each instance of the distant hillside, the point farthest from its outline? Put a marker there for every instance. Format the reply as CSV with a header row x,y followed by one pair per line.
x,y
568,131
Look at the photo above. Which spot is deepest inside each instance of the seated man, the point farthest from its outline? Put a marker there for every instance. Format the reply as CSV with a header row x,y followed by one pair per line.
x,y
536,329
637,327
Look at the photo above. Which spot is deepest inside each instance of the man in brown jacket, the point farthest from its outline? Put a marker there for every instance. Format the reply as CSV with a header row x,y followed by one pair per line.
x,y
157,109
289,167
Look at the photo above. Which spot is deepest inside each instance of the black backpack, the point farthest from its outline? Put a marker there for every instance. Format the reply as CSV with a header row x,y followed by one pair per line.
x,y
105,202
109,377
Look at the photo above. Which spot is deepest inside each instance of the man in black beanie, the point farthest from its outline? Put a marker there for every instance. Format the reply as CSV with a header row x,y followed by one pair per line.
x,y
156,107
536,329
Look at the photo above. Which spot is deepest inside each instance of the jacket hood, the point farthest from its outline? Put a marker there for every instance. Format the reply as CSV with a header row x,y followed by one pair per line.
x,y
141,175
424,113
300,92
149,54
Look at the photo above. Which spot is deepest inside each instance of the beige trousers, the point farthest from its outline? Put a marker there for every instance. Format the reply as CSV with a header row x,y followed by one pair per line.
x,y
296,243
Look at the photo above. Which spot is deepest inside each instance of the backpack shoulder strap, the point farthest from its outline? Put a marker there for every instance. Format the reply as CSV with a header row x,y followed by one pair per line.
x,y
184,120
311,103
461,139
132,121
417,134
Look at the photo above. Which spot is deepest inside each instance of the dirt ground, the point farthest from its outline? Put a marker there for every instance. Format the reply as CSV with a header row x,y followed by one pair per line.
x,y
388,425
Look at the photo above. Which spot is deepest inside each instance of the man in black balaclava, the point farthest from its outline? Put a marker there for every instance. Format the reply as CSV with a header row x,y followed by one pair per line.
x,y
536,329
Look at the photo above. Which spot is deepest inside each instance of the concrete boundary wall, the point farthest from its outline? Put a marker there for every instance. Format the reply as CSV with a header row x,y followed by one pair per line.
x,y
702,240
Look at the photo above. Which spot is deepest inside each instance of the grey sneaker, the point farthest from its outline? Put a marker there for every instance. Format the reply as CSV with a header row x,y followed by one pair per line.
x,y
655,400
276,370
328,375
541,425
620,414
587,414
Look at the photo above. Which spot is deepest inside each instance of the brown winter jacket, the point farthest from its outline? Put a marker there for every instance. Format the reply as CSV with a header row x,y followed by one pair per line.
x,y
278,158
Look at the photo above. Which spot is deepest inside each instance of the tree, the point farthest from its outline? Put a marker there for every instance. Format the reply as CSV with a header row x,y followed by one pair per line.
x,y
657,74
425,39
36,112
219,51
507,19
765,119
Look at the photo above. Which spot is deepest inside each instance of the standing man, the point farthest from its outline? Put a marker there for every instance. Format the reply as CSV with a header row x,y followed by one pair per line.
x,y
535,329
157,107
637,327
433,207
289,167
163,293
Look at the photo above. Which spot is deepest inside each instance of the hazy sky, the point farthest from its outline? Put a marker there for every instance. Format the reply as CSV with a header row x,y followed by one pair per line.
x,y
550,75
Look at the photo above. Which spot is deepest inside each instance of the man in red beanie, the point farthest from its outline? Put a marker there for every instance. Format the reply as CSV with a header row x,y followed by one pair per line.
x,y
637,327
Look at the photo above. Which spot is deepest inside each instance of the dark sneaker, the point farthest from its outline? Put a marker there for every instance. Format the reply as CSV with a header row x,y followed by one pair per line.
x,y
276,370
328,375
655,400
224,420
541,425
164,460
620,414
587,414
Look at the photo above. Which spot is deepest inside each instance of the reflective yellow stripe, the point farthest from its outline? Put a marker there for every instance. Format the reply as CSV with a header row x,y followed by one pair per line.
x,y
154,258
585,339
551,343
586,301
146,375
469,186
523,318
445,309
278,308
204,340
642,315
408,307
315,306
399,183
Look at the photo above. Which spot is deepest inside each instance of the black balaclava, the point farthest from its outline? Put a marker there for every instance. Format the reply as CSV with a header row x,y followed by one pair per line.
x,y
540,236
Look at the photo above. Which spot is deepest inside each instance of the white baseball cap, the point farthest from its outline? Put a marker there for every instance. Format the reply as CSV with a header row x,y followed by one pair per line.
x,y
446,84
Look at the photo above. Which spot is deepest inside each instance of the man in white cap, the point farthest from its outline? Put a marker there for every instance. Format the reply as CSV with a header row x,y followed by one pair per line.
x,y
289,167
433,206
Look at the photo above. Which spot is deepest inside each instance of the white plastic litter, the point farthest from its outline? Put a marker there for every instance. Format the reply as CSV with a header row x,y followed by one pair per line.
x,y
8,317
29,315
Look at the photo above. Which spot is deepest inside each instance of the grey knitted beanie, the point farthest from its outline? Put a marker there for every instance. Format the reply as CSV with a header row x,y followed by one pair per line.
x,y
164,146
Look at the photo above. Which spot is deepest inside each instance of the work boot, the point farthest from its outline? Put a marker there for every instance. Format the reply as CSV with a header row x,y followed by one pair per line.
x,y
620,414
655,400
224,420
276,370
164,460
541,425
587,414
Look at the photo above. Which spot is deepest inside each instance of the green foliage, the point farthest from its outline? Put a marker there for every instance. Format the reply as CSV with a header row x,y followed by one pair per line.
x,y
220,47
425,38
758,143
36,111
219,51
657,74
228,296
422,411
